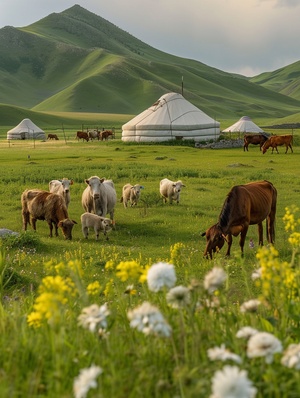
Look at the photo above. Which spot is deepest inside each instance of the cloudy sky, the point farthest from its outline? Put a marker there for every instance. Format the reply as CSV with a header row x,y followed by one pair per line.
x,y
241,36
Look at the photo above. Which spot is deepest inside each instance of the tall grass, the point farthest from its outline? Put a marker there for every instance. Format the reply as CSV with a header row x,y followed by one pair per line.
x,y
47,283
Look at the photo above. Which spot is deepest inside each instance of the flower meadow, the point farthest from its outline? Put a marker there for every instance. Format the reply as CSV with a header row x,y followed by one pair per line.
x,y
147,329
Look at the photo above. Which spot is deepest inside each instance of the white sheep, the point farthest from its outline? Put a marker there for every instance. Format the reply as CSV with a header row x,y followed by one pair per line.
x,y
170,190
131,193
98,223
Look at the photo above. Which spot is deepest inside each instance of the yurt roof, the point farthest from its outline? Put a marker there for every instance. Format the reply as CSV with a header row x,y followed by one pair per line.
x,y
244,125
26,126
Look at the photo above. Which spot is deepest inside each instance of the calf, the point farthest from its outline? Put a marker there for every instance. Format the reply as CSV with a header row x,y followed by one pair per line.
x,y
81,135
62,187
98,223
52,137
43,205
170,190
131,193
278,140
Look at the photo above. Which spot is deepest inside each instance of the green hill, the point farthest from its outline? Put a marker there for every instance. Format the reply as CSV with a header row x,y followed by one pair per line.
x,y
76,61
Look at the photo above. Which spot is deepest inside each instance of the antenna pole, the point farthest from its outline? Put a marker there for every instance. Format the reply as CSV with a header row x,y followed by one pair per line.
x,y
182,85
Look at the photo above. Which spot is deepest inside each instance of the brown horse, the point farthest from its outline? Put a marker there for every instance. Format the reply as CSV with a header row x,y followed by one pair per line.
x,y
244,205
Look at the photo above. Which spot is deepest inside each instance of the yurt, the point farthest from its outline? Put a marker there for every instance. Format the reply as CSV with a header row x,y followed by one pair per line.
x,y
244,125
26,129
171,117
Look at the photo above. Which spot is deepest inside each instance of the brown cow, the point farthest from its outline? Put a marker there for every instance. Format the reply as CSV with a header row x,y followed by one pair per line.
x,y
245,205
43,205
255,139
81,135
52,137
104,135
277,140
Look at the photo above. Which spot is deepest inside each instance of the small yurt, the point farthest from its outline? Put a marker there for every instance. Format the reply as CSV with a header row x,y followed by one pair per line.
x,y
244,125
171,117
26,129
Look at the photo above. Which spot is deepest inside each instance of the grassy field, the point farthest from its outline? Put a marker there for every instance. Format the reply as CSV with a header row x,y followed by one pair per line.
x,y
43,361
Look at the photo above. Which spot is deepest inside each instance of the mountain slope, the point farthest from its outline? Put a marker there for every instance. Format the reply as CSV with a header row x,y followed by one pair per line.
x,y
77,61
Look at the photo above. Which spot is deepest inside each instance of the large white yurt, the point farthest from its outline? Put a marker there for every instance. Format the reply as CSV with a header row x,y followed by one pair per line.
x,y
244,125
26,129
171,117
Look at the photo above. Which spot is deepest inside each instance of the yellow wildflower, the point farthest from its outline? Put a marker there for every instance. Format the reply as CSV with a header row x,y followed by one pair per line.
x,y
94,288
128,269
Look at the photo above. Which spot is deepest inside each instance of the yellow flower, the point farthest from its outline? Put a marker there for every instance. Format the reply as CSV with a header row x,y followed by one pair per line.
x,y
34,319
94,288
109,264
128,269
108,288
176,253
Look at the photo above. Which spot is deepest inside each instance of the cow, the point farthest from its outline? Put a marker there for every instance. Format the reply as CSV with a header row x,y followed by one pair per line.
x,y
81,135
104,135
98,223
43,205
277,140
244,205
52,137
99,197
94,134
131,193
62,187
255,139
170,190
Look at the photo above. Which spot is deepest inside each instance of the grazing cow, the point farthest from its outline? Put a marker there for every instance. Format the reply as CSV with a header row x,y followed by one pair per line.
x,y
94,134
98,223
62,187
52,137
245,205
170,190
131,193
277,140
104,135
99,197
43,205
255,139
81,135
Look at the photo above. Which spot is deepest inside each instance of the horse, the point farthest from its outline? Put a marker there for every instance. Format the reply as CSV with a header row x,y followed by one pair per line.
x,y
245,205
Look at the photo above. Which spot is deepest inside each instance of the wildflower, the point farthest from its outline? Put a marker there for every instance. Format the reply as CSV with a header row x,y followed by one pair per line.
x,y
246,332
178,297
289,218
86,380
230,382
127,270
263,344
291,356
214,279
94,316
147,319
130,290
161,275
256,274
94,288
222,354
176,253
250,306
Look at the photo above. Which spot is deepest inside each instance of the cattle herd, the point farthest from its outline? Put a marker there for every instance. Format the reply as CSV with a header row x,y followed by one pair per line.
x,y
245,205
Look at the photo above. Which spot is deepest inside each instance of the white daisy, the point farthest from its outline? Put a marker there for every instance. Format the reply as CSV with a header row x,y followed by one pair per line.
x,y
161,275
263,344
86,380
94,316
230,382
256,274
291,356
222,354
250,306
246,332
148,319
178,297
214,279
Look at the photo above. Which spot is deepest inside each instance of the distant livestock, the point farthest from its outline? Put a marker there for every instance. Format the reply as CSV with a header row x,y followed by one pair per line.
x,y
43,205
244,205
98,223
277,140
94,134
52,137
62,187
131,193
170,190
104,135
255,139
82,135
99,197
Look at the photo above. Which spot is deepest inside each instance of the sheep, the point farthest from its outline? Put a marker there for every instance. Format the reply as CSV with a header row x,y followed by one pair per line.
x,y
100,224
131,193
170,190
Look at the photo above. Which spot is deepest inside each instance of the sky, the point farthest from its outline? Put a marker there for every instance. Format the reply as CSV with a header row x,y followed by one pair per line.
x,y
248,37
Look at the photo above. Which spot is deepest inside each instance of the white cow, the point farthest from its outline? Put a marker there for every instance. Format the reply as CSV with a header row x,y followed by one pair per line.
x,y
131,193
62,187
99,197
98,223
170,190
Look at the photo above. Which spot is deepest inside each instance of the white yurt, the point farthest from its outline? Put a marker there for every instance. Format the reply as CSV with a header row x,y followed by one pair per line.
x,y
26,129
244,125
171,117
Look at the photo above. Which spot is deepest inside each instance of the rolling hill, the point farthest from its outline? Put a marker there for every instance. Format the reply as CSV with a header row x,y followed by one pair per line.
x,y
76,61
